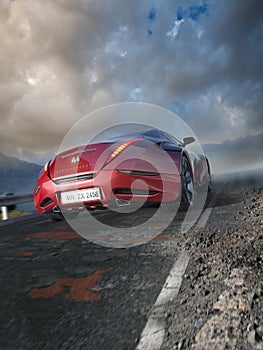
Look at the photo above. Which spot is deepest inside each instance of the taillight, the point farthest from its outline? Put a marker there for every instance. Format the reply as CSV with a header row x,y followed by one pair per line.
x,y
46,168
119,149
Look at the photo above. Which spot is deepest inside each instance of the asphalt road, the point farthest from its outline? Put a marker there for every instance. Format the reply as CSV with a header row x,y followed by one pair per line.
x,y
60,291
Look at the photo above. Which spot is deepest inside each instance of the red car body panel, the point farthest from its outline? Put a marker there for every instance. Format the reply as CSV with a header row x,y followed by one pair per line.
x,y
114,167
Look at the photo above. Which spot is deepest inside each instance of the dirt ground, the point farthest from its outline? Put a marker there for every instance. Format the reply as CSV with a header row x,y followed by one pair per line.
x,y
220,304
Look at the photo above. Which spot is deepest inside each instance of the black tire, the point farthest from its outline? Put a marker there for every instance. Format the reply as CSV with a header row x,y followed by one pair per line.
x,y
55,216
187,184
209,180
59,216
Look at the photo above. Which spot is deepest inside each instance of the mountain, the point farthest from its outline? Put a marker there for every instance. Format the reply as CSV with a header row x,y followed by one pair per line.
x,y
250,142
232,155
17,176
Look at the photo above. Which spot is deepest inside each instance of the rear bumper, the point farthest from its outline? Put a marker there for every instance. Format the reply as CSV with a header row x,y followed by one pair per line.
x,y
114,185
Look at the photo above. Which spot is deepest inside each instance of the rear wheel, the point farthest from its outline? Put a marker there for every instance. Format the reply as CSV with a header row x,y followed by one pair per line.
x,y
59,216
209,180
187,184
55,216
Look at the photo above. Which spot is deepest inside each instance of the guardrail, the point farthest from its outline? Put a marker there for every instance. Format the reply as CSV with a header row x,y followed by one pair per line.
x,y
5,201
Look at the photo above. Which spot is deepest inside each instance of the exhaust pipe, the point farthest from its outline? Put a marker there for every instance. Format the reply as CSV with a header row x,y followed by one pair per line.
x,y
122,202
56,209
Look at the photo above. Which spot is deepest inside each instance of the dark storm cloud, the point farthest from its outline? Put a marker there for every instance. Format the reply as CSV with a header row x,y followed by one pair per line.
x,y
241,35
60,60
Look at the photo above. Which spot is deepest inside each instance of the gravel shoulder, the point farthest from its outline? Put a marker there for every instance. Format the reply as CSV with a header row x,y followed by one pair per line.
x,y
220,303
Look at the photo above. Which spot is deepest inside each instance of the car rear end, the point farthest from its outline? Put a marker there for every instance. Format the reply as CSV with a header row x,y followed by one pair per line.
x,y
97,175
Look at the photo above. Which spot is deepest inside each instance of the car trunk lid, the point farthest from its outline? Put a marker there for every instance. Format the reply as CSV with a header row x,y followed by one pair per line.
x,y
80,162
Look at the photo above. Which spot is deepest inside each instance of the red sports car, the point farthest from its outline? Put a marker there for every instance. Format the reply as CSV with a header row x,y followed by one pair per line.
x,y
149,166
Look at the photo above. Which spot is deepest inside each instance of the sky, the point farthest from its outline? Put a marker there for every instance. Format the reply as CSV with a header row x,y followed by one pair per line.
x,y
62,59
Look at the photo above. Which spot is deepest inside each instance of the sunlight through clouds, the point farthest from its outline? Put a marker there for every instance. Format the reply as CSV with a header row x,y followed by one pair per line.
x,y
60,60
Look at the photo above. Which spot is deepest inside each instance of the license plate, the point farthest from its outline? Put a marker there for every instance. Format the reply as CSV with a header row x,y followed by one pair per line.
x,y
79,196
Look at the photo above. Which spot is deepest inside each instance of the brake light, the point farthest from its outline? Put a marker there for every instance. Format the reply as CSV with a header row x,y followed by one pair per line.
x,y
46,168
119,149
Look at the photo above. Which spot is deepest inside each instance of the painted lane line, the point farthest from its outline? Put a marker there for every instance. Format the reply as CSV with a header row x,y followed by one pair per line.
x,y
204,218
153,334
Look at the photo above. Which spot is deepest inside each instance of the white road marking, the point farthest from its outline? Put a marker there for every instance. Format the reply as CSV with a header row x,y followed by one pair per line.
x,y
153,334
204,218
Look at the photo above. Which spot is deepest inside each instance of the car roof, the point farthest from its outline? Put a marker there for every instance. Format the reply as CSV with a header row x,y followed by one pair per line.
x,y
150,134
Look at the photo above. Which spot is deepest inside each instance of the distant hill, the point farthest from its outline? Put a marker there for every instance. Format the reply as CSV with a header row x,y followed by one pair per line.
x,y
17,176
250,143
234,155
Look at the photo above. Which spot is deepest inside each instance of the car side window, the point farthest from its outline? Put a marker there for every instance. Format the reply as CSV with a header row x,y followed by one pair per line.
x,y
170,138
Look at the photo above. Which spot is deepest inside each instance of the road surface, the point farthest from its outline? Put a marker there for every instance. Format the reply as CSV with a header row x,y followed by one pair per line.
x,y
60,291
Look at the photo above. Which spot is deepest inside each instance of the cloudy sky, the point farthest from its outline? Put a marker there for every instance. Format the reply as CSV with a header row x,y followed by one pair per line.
x,y
62,59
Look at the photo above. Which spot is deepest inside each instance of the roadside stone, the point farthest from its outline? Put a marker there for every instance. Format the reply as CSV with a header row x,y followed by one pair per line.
x,y
222,299
199,323
181,344
251,337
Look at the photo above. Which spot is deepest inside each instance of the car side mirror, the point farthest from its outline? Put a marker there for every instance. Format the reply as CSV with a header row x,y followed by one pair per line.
x,y
188,140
